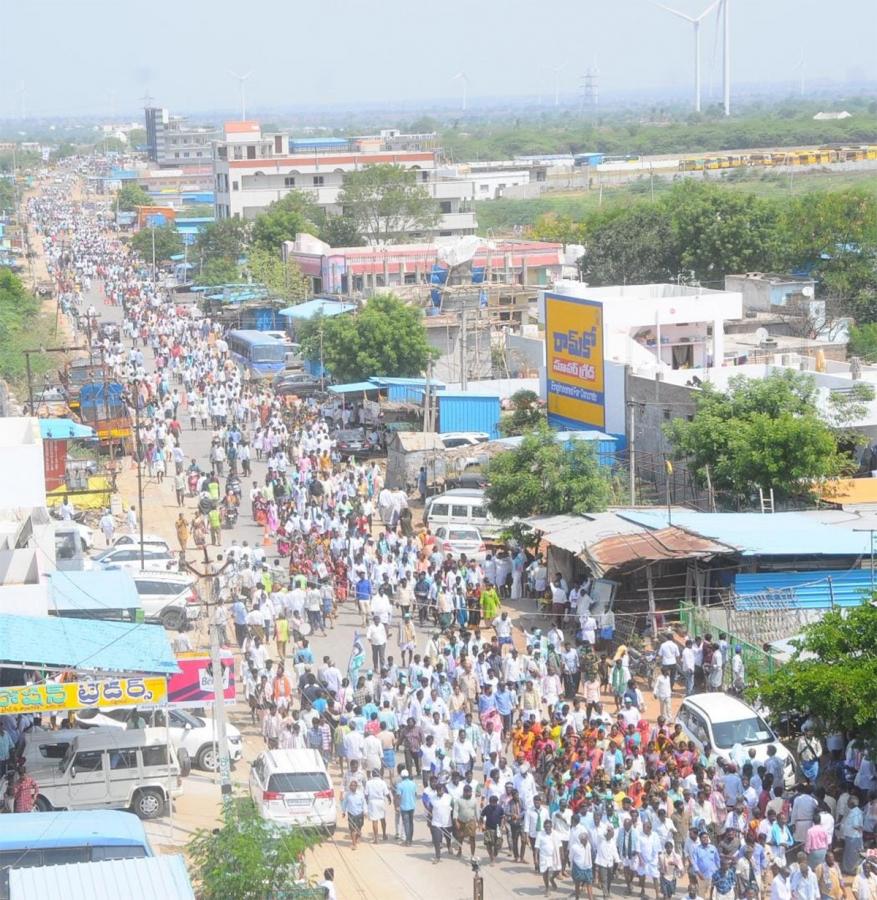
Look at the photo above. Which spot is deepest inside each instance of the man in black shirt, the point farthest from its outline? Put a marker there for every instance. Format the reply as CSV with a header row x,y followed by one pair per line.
x,y
493,815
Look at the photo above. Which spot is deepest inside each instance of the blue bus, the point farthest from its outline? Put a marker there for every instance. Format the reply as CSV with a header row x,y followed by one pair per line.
x,y
56,838
258,353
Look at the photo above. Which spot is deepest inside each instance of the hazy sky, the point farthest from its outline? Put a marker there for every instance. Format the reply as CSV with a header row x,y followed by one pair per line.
x,y
80,57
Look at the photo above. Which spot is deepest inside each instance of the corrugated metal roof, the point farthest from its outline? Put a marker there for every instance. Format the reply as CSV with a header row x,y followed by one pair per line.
x,y
355,387
151,878
89,644
93,590
574,533
754,534
803,590
317,307
622,550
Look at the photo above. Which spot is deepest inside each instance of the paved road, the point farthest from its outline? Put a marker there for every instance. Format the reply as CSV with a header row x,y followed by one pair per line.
x,y
388,869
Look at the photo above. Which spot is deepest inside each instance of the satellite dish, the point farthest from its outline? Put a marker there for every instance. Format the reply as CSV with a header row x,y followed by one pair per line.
x,y
807,290
762,335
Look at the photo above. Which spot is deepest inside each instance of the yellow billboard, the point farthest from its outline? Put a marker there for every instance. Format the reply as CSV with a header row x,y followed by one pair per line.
x,y
52,697
574,362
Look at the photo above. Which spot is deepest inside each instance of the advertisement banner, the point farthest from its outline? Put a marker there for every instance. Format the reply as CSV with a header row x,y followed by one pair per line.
x,y
574,362
193,684
40,698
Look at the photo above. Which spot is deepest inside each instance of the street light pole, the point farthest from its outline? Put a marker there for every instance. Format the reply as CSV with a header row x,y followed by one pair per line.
x,y
138,450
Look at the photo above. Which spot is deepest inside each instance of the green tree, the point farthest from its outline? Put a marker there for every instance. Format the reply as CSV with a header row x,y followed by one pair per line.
x,y
224,239
284,219
630,246
716,232
283,279
247,857
387,203
526,414
543,477
219,271
386,338
130,196
341,231
760,433
863,342
831,676
21,327
168,243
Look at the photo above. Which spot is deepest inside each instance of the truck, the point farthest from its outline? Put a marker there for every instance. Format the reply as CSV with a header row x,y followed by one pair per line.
x,y
102,406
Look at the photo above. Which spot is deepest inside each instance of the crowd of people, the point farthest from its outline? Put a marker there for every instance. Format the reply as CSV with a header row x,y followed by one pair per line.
x,y
540,746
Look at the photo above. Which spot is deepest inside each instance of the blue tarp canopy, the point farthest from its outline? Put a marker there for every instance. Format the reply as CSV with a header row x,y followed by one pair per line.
x,y
316,307
755,534
88,644
434,383
110,589
62,429
355,387
109,879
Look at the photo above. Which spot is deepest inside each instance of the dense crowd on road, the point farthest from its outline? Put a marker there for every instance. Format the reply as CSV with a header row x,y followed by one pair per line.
x,y
537,746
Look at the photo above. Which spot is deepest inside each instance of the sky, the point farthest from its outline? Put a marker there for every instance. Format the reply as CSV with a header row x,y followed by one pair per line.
x,y
85,57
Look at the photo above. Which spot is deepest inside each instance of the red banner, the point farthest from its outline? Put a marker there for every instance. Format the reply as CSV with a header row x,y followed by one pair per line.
x,y
193,685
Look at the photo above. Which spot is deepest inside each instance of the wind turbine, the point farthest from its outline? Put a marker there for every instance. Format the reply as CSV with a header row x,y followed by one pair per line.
x,y
801,70
241,80
557,70
461,76
695,21
726,55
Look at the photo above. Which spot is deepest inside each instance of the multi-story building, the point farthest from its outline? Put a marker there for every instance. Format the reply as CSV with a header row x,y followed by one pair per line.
x,y
252,169
172,141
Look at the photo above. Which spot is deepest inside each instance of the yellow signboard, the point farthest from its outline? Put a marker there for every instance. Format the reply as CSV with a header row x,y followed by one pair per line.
x,y
574,362
40,698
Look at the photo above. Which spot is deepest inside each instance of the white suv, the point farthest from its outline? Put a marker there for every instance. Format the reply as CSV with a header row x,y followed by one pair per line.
x,y
292,787
168,597
727,723
190,733
156,558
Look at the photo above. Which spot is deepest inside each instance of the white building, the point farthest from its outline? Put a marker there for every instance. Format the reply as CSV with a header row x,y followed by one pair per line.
x,y
252,169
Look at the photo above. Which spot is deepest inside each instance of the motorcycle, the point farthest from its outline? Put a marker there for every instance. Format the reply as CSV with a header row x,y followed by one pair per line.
x,y
229,515
206,503
233,486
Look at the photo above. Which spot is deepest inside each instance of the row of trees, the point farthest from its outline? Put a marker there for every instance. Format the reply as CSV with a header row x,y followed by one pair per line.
x,y
709,231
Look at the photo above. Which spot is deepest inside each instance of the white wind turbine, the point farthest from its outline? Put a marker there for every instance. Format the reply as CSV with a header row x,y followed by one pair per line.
x,y
464,79
695,22
557,70
242,82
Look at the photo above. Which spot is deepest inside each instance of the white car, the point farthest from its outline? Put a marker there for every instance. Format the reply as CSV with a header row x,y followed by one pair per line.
x,y
456,540
292,787
149,540
170,598
729,724
463,438
128,556
193,734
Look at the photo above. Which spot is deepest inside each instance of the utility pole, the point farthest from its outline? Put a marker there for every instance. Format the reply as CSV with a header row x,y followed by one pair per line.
x,y
27,354
631,430
426,400
217,633
464,381
138,451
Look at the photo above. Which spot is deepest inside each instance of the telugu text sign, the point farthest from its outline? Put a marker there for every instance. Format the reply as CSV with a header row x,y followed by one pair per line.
x,y
574,362
64,696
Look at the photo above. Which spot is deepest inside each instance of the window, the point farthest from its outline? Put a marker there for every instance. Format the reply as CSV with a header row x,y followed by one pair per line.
x,y
289,181
298,782
278,143
53,751
123,759
251,151
235,186
666,415
445,207
238,152
318,180
439,509
459,512
89,761
155,756
117,852
424,176
60,856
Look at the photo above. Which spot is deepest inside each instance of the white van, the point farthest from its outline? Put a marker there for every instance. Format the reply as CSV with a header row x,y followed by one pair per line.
x,y
462,506
292,787
113,769
170,598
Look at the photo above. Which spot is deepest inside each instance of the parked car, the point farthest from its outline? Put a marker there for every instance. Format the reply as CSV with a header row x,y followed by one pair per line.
x,y
724,722
452,539
464,439
170,598
292,787
126,540
190,733
355,442
155,558
461,508
112,769
300,383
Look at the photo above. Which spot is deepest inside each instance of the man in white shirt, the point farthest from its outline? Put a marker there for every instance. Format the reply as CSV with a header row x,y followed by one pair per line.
x,y
687,663
376,634
668,654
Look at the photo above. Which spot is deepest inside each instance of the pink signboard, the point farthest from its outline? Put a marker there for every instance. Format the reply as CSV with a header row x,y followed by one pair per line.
x,y
193,684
